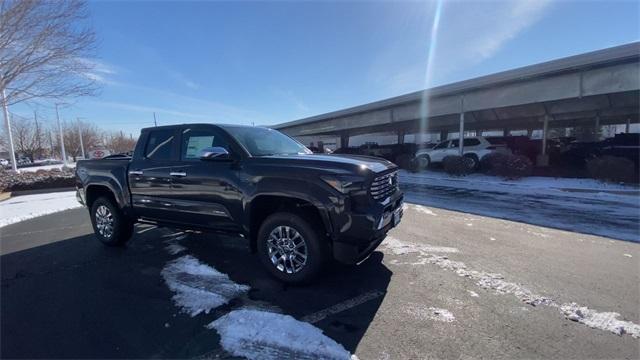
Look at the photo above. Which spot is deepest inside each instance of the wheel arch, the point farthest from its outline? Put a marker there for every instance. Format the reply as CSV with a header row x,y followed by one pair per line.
x,y
264,205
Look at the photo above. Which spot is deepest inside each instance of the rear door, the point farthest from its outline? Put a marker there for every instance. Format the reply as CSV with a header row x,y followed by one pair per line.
x,y
149,174
206,192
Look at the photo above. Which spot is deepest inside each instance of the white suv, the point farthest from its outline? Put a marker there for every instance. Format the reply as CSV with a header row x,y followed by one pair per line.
x,y
475,148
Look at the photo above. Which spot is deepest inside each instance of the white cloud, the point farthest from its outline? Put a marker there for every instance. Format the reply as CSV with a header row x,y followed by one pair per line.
x,y
469,32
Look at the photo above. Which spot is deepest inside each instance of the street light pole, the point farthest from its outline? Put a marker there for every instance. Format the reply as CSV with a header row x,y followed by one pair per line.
x,y
64,154
7,121
80,135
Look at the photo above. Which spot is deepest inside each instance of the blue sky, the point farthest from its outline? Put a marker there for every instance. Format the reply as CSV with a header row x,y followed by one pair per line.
x,y
271,62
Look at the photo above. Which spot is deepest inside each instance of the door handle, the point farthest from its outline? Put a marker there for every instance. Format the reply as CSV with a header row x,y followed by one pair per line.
x,y
135,172
178,174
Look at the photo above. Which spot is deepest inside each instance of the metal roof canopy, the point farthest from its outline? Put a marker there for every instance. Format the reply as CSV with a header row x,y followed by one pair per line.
x,y
572,91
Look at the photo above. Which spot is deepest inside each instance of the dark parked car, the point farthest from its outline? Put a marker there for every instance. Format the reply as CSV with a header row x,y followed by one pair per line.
x,y
298,209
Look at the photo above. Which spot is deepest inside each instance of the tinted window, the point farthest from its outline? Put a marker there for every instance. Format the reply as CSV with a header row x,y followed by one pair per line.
x,y
471,142
160,144
442,145
455,143
193,141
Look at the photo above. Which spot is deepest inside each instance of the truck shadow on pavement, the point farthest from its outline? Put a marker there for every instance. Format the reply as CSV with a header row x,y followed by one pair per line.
x,y
78,299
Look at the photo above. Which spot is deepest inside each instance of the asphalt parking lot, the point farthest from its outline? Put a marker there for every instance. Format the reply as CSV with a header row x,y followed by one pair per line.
x,y
431,291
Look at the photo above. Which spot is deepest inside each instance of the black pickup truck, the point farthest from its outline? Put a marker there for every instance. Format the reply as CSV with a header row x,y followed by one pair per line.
x,y
298,210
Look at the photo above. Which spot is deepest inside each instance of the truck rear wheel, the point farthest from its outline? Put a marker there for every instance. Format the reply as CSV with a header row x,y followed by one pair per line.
x,y
110,225
291,248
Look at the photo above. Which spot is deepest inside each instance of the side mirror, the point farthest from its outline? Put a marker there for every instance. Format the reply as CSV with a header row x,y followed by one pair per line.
x,y
214,153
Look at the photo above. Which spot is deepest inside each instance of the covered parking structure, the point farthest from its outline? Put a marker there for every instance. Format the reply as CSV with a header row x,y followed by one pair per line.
x,y
587,90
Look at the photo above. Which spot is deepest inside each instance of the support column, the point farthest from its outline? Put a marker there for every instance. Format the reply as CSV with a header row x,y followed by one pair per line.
x,y
628,126
597,130
344,140
529,132
543,159
444,134
400,136
505,132
461,137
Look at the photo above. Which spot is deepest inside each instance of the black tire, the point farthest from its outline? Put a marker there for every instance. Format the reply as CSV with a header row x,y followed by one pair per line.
x,y
475,161
317,250
121,228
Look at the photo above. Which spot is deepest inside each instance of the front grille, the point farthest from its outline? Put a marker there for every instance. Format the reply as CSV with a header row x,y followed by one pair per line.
x,y
384,185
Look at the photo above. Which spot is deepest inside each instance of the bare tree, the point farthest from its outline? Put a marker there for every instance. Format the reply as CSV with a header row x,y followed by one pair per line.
x,y
118,143
27,136
72,132
44,47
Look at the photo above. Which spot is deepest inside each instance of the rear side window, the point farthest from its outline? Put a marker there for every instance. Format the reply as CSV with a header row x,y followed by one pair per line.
x,y
160,145
471,142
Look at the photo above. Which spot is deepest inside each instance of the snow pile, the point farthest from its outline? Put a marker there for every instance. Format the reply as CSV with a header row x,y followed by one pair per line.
x,y
198,287
600,320
256,334
431,313
491,281
21,208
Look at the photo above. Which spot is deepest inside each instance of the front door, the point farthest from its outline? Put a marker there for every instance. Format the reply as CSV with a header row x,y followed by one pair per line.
x,y
206,192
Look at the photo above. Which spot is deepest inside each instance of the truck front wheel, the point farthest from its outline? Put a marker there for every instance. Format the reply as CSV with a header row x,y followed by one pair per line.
x,y
291,248
110,225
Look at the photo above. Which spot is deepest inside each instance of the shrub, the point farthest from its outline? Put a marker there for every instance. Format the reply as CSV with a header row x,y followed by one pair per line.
x,y
457,165
611,168
506,165
41,179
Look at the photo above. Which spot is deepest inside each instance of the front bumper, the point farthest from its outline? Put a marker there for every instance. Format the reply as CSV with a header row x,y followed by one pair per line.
x,y
366,231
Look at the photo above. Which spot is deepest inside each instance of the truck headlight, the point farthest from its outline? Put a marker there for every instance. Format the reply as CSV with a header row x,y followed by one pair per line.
x,y
344,184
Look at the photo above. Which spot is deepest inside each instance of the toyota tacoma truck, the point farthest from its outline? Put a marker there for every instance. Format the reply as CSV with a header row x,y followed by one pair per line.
x,y
298,210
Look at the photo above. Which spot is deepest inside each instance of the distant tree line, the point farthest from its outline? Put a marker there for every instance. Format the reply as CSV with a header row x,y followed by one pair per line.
x,y
37,139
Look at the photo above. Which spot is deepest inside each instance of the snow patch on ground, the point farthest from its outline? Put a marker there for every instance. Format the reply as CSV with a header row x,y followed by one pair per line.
x,y
538,183
430,313
21,208
628,255
175,249
496,282
419,208
198,287
400,248
256,334
600,320
473,293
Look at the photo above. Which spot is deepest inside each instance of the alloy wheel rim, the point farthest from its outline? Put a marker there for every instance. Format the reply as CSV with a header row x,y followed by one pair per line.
x,y
287,249
104,221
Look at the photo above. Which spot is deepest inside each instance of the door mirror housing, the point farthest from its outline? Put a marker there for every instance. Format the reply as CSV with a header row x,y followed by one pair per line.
x,y
214,153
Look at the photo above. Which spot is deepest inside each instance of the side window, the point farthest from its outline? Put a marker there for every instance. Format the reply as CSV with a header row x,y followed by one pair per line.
x,y
159,145
471,142
442,145
193,141
455,143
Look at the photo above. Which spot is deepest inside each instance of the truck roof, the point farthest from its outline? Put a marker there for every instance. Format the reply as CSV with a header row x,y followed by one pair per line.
x,y
192,124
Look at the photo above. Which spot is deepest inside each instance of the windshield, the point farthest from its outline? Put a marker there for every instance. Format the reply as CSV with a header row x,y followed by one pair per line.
x,y
261,141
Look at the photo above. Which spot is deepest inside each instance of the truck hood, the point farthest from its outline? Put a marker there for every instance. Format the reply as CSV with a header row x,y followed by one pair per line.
x,y
356,163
